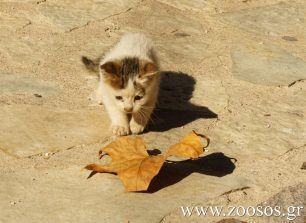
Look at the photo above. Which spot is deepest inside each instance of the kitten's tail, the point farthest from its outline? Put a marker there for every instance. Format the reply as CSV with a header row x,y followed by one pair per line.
x,y
91,65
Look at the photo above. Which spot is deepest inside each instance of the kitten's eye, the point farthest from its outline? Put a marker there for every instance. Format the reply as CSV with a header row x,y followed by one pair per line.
x,y
119,98
137,98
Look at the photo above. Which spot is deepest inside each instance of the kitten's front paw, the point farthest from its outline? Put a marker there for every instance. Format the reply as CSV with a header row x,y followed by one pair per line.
x,y
136,128
120,130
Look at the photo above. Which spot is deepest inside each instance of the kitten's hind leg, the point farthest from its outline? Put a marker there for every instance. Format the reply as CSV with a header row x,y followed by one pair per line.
x,y
97,95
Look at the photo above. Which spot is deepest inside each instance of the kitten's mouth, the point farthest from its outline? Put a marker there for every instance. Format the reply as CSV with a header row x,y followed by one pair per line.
x,y
128,111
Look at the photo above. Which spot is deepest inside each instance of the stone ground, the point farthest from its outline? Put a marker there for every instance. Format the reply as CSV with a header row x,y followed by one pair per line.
x,y
235,71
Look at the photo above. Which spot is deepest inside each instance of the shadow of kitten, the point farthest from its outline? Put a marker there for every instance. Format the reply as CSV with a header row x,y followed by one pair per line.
x,y
174,109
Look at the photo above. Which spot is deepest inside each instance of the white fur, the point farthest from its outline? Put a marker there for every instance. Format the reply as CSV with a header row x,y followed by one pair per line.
x,y
130,45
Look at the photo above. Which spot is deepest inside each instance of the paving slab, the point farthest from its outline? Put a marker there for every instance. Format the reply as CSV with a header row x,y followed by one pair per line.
x,y
291,200
225,59
100,198
11,84
69,15
197,5
178,29
27,50
30,130
11,23
281,19
263,64
275,125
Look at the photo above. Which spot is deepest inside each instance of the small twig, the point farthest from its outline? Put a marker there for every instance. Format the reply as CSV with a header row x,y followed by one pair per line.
x,y
235,190
41,1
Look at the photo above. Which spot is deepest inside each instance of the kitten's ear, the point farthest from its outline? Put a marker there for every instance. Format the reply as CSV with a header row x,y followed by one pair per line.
x,y
111,67
149,69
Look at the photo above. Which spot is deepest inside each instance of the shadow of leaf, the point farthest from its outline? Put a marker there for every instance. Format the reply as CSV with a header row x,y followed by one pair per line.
x,y
215,164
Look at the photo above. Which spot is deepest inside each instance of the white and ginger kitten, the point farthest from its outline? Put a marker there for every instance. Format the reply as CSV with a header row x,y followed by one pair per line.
x,y
129,83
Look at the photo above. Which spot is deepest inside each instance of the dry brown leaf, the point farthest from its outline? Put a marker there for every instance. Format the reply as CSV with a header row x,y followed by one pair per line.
x,y
125,148
133,164
190,146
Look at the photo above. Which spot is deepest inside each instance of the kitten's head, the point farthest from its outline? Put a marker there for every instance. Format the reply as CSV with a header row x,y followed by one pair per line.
x,y
131,81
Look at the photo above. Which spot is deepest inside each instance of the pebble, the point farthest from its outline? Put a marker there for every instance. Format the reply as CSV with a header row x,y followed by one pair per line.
x,y
46,155
12,202
303,167
38,95
289,38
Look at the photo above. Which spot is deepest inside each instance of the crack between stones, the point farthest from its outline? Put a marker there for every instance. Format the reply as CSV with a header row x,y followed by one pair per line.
x,y
98,20
27,24
102,142
9,154
292,149
294,82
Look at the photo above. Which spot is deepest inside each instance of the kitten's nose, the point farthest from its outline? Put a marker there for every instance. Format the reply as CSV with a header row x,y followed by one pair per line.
x,y
128,109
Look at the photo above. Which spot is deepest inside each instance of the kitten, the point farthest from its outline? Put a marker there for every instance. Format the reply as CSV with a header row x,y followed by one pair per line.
x,y
129,83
